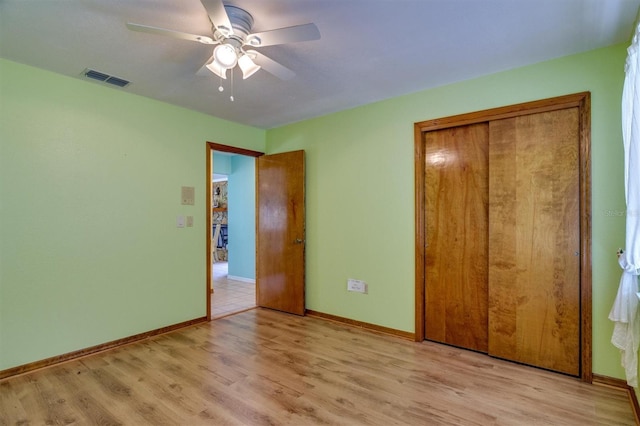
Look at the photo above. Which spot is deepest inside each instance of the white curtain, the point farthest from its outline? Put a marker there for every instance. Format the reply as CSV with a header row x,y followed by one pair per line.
x,y
626,333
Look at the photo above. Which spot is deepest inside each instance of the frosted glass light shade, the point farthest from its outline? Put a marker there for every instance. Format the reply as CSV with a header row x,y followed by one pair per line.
x,y
247,66
225,55
215,68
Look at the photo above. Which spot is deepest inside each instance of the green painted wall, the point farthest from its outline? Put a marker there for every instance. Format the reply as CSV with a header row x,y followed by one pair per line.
x,y
90,181
360,188
242,217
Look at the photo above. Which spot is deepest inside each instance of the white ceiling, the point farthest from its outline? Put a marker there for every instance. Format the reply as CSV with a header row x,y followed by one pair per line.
x,y
369,49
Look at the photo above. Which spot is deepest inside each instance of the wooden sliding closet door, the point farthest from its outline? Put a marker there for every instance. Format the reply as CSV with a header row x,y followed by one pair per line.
x,y
456,198
534,240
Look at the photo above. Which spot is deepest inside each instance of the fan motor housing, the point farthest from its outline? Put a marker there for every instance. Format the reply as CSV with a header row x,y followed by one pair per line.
x,y
241,21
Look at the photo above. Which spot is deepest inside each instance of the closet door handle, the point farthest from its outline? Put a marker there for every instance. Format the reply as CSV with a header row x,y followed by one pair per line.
x,y
298,241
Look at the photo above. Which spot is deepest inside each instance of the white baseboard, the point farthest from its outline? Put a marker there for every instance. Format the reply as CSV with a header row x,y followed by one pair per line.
x,y
243,279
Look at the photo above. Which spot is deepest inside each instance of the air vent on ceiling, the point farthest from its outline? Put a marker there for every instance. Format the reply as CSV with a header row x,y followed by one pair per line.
x,y
105,78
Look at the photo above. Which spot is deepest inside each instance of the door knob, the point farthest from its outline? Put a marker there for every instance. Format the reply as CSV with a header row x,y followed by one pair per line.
x,y
298,241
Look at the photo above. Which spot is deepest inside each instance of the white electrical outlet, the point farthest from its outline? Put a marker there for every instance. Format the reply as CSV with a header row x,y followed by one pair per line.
x,y
357,286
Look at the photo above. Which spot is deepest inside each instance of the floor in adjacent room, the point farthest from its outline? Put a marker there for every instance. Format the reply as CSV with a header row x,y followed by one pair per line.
x,y
230,296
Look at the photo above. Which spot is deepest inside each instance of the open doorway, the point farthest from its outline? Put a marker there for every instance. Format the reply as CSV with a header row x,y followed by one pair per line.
x,y
231,223
233,207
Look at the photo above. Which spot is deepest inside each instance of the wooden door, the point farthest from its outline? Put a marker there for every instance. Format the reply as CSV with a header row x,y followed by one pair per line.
x,y
456,178
280,232
534,240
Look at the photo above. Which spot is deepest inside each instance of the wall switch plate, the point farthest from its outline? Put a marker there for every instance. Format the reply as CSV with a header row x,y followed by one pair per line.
x,y
357,286
189,221
180,221
187,195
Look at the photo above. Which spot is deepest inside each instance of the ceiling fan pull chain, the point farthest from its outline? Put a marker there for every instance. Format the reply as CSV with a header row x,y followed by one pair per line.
x,y
231,97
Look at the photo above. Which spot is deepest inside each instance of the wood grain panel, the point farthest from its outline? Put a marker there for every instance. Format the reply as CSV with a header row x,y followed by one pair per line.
x,y
420,240
580,100
264,367
456,178
534,244
280,232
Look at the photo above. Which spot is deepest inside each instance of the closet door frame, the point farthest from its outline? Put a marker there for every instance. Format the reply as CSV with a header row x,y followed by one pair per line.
x,y
582,101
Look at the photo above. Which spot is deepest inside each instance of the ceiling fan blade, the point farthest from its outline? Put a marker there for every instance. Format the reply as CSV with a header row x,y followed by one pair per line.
x,y
218,15
170,33
306,32
271,66
204,71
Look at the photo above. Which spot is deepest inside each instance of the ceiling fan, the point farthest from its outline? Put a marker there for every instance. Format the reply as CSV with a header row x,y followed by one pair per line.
x,y
231,28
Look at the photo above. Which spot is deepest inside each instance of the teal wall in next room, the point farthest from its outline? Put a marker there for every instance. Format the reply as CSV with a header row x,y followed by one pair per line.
x,y
242,223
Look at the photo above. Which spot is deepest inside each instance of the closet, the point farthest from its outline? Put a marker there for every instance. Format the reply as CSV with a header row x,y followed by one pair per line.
x,y
502,241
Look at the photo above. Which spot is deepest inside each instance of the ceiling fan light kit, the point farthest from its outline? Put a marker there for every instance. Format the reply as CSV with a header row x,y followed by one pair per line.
x,y
215,68
231,27
225,55
247,66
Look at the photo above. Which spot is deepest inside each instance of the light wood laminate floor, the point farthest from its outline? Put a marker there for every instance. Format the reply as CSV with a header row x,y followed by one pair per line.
x,y
230,296
262,367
